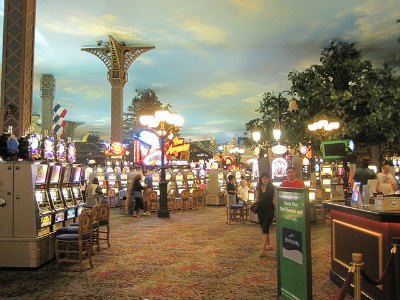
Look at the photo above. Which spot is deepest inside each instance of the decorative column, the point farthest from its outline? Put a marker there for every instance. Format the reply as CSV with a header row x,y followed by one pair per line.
x,y
117,56
47,93
17,72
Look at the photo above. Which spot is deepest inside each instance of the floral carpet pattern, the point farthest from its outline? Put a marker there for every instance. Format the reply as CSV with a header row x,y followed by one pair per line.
x,y
191,255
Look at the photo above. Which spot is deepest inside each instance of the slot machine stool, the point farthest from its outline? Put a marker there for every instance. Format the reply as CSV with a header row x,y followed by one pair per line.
x,y
71,247
234,212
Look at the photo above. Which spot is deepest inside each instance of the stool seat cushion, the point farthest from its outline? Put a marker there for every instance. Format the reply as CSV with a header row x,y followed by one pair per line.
x,y
236,206
74,224
68,230
103,222
71,237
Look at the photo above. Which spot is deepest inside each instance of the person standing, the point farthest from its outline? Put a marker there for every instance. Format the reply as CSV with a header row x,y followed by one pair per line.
x,y
265,194
291,180
137,195
231,190
243,191
363,173
386,182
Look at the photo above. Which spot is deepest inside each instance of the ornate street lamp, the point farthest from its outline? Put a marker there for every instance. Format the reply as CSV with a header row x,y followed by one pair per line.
x,y
164,124
237,152
292,108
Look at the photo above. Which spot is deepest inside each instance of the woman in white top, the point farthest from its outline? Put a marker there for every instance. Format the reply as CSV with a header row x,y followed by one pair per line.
x,y
243,191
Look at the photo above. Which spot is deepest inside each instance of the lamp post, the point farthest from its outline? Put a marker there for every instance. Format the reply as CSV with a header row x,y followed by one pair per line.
x,y
237,152
256,135
292,107
163,124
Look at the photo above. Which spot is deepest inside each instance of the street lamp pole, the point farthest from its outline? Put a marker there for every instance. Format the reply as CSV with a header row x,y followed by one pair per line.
x,y
157,124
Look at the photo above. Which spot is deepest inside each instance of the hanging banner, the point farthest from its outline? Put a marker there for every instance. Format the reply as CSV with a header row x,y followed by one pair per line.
x,y
294,244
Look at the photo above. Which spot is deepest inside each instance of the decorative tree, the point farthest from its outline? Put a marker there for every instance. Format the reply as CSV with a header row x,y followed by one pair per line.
x,y
145,103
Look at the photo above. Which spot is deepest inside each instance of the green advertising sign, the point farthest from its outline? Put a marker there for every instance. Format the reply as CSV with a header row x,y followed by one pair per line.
x,y
293,244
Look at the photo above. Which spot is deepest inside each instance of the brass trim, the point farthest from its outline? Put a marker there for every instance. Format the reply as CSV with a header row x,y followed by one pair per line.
x,y
366,231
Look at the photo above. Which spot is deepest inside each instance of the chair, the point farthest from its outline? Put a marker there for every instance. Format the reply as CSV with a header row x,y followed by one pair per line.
x,y
171,202
185,196
104,224
234,212
153,202
112,198
96,234
76,247
202,198
146,198
194,200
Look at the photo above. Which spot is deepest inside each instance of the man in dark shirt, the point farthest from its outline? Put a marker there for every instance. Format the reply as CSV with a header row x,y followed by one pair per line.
x,y
363,173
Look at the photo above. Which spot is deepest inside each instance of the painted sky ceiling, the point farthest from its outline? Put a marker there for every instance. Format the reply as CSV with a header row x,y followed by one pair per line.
x,y
213,60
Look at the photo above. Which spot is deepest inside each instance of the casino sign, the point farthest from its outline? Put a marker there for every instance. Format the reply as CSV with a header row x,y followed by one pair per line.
x,y
116,151
177,146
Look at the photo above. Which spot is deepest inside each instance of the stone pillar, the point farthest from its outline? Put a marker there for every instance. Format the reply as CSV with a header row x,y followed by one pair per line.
x,y
17,72
47,93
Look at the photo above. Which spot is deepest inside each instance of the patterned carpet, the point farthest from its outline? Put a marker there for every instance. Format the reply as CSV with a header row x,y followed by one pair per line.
x,y
191,255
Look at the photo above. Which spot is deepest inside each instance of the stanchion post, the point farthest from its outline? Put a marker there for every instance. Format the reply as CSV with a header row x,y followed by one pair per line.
x,y
357,263
395,245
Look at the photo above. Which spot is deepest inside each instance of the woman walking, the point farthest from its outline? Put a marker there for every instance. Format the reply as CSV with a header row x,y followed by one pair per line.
x,y
266,209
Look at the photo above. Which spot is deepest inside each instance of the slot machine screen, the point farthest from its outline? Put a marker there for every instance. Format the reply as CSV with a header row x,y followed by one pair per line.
x,y
41,174
326,170
77,175
66,193
356,193
39,197
340,171
77,192
67,174
55,174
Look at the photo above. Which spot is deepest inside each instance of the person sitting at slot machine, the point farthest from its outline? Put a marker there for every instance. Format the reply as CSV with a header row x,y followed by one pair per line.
x,y
292,181
243,191
96,191
148,180
138,196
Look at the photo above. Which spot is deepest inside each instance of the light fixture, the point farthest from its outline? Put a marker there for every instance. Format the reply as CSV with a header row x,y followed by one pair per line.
x,y
279,149
277,133
256,136
323,124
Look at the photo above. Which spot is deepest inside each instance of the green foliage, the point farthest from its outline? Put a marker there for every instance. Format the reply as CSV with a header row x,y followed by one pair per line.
x,y
94,138
144,103
344,88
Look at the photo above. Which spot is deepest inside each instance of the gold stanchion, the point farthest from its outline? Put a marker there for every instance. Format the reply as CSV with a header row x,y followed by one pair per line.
x,y
357,263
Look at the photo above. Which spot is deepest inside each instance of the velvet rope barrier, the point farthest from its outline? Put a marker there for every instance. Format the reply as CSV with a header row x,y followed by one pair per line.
x,y
346,284
388,266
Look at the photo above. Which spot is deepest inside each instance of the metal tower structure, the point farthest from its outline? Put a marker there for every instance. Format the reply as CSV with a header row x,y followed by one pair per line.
x,y
47,93
117,56
17,68
69,129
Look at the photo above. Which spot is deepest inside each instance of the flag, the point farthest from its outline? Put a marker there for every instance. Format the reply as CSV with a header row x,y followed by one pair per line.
x,y
59,119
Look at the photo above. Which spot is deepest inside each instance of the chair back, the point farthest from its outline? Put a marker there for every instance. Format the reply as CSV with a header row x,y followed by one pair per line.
x,y
146,195
195,194
104,212
153,196
111,193
96,214
85,223
185,194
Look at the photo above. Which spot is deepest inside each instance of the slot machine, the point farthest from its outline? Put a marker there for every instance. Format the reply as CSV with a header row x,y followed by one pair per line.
x,y
123,180
76,189
326,177
238,177
156,181
179,182
278,170
221,181
305,172
66,193
26,239
112,182
102,181
53,188
190,181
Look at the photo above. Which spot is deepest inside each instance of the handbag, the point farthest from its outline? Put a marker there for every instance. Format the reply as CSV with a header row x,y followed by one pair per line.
x,y
98,190
254,207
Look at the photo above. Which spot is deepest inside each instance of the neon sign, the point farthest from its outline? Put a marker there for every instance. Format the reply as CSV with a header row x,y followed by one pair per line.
x,y
178,145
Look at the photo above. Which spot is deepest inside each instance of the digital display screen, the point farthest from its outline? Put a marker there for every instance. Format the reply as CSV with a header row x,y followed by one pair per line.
x,y
77,192
39,195
67,174
59,217
77,175
66,193
71,213
45,220
41,174
55,174
326,171
356,192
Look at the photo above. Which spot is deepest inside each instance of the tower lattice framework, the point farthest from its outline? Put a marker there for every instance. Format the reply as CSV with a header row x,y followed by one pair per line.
x,y
117,56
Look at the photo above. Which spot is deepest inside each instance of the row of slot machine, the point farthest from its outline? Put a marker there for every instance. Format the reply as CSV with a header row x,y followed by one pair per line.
x,y
180,180
108,178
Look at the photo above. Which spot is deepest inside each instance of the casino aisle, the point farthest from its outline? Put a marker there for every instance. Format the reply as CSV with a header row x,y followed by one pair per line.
x,y
191,255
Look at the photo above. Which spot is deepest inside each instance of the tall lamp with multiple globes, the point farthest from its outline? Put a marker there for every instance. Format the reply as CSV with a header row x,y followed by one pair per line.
x,y
164,124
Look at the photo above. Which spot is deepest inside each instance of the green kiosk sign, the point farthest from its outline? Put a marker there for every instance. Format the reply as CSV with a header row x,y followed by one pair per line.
x,y
293,244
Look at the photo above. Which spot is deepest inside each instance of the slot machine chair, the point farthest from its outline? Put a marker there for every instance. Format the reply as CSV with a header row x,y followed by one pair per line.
x,y
112,198
234,212
104,224
185,197
193,201
153,201
76,247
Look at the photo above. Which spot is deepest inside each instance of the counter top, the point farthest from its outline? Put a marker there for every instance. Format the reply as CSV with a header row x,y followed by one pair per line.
x,y
369,213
